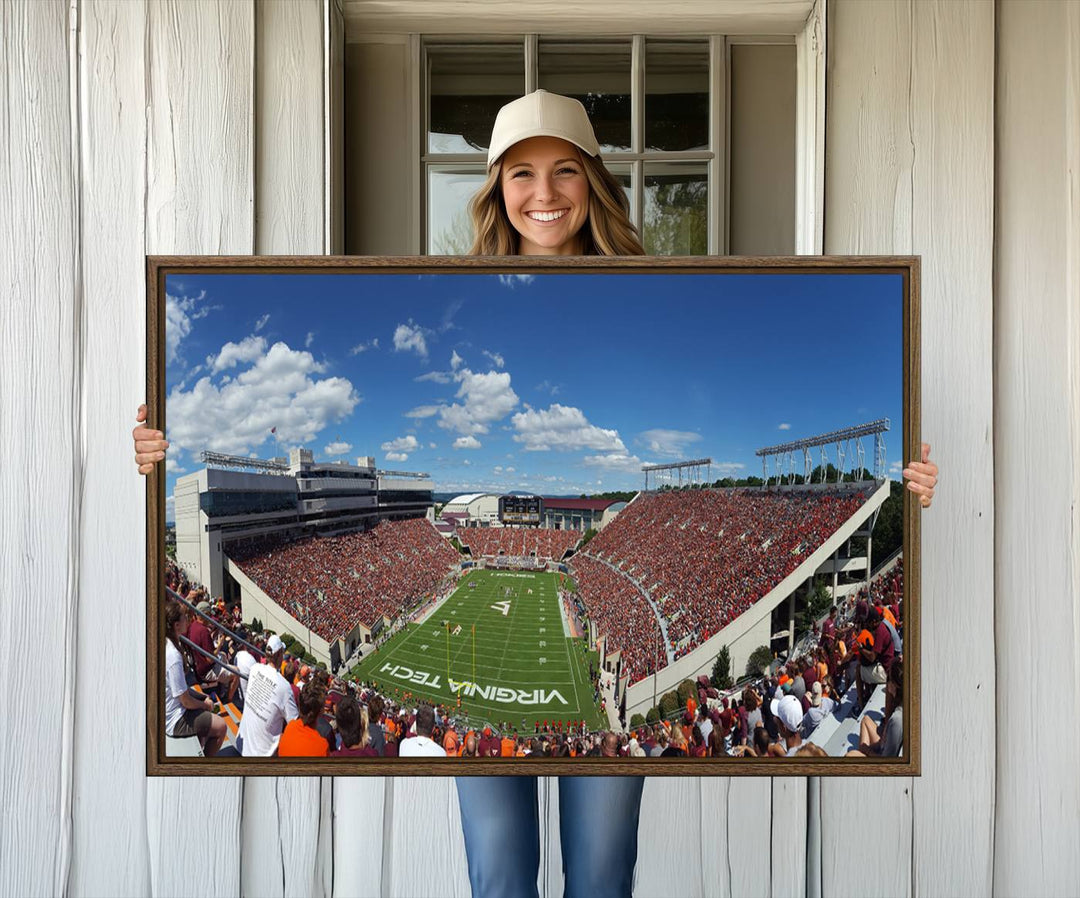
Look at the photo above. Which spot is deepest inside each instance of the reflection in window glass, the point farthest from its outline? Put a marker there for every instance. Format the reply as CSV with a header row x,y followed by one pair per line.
x,y
597,74
676,209
467,86
676,95
450,231
623,175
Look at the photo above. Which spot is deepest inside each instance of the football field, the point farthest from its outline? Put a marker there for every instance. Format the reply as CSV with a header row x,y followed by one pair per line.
x,y
501,646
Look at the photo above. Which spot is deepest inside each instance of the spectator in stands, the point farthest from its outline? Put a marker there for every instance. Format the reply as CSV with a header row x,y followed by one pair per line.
x,y
185,714
828,628
609,745
789,714
421,745
353,730
269,705
301,738
471,748
375,725
887,740
820,708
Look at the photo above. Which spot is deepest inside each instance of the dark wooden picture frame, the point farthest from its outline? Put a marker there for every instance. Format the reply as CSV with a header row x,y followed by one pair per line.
x,y
908,270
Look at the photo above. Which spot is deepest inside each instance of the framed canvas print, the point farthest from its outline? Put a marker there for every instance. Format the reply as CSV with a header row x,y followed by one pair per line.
x,y
533,516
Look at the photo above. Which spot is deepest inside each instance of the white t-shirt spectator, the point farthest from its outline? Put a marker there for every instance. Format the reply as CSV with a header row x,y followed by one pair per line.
x,y
268,706
420,747
175,686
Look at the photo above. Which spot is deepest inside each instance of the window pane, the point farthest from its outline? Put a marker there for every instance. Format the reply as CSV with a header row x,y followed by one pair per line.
x,y
623,174
676,209
597,74
676,95
449,191
467,85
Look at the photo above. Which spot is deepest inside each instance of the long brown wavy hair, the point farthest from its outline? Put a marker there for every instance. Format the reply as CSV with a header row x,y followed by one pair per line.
x,y
607,231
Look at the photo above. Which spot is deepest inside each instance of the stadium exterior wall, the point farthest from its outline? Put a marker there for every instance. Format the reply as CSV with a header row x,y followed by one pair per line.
x,y
256,603
740,635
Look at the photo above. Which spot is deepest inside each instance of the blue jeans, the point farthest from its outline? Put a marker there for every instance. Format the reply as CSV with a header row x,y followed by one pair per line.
x,y
598,822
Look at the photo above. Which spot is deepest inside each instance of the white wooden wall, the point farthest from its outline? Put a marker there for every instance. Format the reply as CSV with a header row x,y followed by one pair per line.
x,y
953,131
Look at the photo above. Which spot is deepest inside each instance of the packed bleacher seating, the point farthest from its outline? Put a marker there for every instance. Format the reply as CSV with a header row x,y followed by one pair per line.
x,y
544,543
706,556
622,614
331,584
816,711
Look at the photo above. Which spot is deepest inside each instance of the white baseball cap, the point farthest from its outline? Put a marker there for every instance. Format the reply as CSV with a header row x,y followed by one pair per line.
x,y
541,114
788,711
274,645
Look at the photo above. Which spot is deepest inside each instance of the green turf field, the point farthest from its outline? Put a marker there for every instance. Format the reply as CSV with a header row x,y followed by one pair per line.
x,y
525,665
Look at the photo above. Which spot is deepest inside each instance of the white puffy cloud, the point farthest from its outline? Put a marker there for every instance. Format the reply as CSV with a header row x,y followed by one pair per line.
x,y
261,323
337,448
401,444
423,411
279,390
456,361
563,427
397,456
173,467
410,337
516,280
180,311
439,377
485,398
615,461
467,443
309,339
433,445
784,426
247,350
373,343
667,442
496,359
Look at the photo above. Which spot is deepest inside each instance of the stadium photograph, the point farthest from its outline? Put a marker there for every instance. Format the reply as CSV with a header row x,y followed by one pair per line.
x,y
641,514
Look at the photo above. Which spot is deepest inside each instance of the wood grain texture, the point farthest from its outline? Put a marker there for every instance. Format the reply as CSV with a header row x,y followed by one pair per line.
x,y
199,200
40,320
286,822
423,847
111,859
868,200
668,831
952,127
1037,601
360,810
289,131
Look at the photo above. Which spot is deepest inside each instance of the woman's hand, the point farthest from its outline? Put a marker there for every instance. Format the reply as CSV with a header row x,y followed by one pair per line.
x,y
922,477
150,445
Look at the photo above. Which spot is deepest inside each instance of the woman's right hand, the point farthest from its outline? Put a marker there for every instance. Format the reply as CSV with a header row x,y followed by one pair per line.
x,y
150,445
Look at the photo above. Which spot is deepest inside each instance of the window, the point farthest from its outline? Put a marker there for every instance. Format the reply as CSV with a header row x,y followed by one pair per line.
x,y
660,108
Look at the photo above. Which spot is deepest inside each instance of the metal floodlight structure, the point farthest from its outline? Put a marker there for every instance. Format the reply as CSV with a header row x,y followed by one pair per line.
x,y
668,473
849,447
221,460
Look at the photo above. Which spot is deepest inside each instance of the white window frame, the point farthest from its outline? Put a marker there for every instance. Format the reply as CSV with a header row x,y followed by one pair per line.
x,y
809,42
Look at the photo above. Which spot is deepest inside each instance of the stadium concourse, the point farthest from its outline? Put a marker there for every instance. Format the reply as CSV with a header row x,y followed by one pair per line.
x,y
843,686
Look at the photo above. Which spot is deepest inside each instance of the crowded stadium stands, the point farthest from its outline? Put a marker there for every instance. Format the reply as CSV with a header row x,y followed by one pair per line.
x,y
705,556
545,544
330,584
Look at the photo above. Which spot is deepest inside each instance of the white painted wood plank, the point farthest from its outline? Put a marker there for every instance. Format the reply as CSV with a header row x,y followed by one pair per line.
x,y
952,129
715,835
749,836
111,859
423,847
199,200
285,851
868,201
40,441
669,833
1037,372
289,132
358,824
788,837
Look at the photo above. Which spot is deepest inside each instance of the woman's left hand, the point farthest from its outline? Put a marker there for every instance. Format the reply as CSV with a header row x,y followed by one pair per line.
x,y
922,477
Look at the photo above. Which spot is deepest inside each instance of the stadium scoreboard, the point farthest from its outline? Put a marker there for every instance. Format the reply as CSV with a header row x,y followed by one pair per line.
x,y
520,509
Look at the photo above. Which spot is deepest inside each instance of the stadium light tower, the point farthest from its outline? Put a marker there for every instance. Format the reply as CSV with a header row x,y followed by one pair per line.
x,y
848,442
669,472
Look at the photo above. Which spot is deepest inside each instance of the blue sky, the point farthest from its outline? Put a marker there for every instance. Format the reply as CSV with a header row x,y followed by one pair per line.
x,y
550,383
